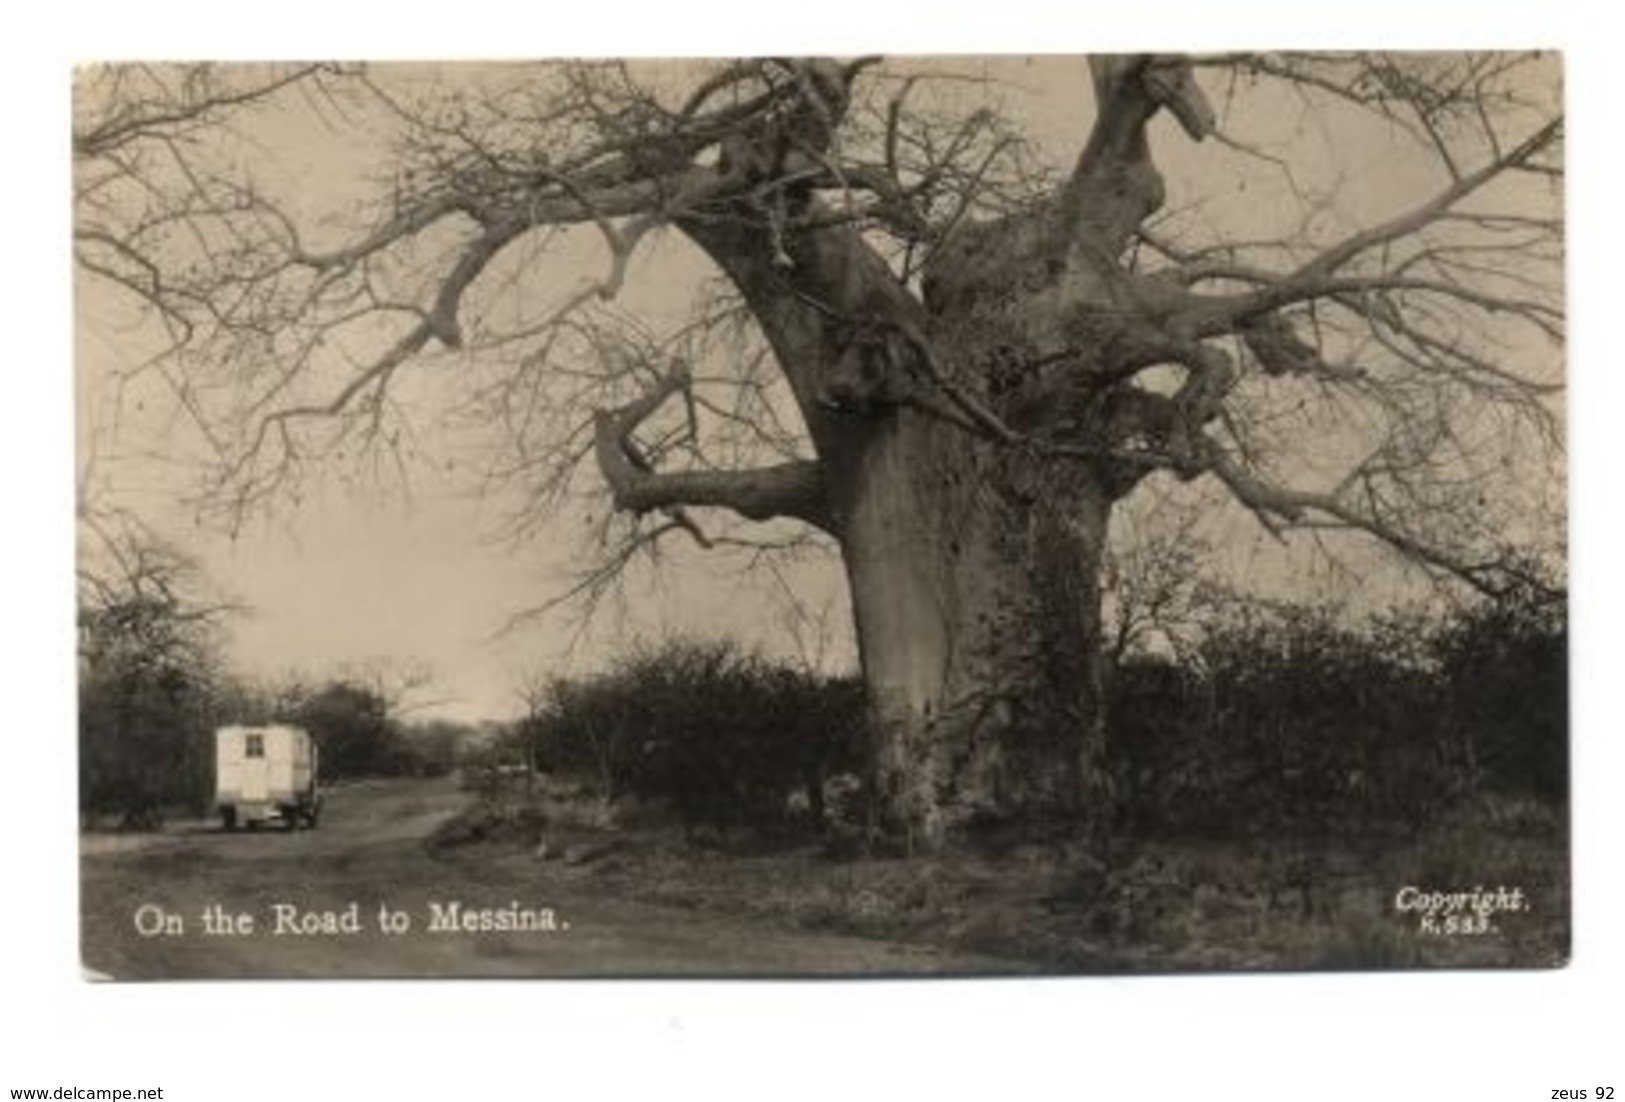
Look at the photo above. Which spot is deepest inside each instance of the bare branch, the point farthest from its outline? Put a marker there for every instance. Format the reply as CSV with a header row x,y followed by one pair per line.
x,y
128,120
1315,278
1297,509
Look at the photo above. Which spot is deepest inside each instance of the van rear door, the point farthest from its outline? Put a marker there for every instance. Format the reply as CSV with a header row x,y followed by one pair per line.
x,y
255,773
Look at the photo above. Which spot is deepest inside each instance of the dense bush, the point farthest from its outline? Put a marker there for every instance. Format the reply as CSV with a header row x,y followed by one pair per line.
x,y
726,737
1289,720
351,724
1506,669
1279,720
360,737
433,748
143,727
149,685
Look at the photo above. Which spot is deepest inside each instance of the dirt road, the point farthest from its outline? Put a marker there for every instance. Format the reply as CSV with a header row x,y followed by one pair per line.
x,y
364,896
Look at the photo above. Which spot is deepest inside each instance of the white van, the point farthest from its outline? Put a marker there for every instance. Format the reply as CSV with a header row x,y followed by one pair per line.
x,y
264,773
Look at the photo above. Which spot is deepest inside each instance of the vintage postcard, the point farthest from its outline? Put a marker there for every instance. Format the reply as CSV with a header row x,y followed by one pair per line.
x,y
862,516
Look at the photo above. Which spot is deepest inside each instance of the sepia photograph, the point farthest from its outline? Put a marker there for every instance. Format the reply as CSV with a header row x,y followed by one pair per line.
x,y
856,516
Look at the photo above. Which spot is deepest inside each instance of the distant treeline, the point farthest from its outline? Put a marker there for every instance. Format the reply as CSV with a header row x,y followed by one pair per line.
x,y
147,748
153,688
1267,718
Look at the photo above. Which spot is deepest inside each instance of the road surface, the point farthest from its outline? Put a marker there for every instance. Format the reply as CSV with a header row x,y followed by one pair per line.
x,y
364,896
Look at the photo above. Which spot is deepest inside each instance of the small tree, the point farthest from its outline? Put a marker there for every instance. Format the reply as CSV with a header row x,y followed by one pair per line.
x,y
150,675
535,691
436,745
351,724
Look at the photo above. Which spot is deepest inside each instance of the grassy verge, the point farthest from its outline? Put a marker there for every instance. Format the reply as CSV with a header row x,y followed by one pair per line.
x,y
1146,905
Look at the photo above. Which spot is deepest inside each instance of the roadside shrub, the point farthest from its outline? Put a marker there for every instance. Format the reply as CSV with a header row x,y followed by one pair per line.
x,y
148,688
727,738
359,737
431,749
1506,667
143,749
1288,720
351,724
1297,725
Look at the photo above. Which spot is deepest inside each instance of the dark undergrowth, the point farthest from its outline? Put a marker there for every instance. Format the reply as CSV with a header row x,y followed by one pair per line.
x,y
1168,904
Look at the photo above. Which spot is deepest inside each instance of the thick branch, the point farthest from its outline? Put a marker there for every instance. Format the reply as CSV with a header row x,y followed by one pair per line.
x,y
551,201
439,322
809,313
784,490
1115,186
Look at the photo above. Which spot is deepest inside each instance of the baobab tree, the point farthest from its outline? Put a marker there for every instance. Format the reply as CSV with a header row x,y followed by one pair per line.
x,y
911,333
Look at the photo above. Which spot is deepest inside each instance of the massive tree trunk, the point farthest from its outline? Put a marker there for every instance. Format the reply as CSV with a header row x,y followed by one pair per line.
x,y
973,561
975,591
970,445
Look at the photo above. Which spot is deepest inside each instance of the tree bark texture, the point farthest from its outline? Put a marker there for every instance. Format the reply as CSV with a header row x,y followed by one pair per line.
x,y
975,591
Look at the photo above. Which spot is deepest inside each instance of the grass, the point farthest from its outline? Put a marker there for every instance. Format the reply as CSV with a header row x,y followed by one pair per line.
x,y
1146,905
